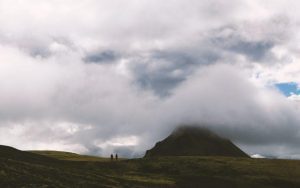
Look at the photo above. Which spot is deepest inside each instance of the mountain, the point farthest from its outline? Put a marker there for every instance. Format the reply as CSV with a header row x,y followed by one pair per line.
x,y
194,141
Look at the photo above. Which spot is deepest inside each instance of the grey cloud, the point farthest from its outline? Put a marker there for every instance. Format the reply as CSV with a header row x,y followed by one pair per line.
x,y
180,67
253,40
126,151
40,52
164,70
160,81
39,46
256,51
94,150
103,57
221,44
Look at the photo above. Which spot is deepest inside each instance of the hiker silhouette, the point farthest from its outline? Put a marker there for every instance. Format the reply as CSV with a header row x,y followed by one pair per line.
x,y
111,157
116,157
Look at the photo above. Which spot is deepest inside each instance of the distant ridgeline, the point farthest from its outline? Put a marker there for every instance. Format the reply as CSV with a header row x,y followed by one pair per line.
x,y
194,141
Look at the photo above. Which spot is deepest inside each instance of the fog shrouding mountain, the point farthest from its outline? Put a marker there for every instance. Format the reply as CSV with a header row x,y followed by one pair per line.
x,y
194,141
99,76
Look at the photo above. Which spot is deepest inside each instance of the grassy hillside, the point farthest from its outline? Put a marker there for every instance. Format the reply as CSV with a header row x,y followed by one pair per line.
x,y
195,141
62,155
25,169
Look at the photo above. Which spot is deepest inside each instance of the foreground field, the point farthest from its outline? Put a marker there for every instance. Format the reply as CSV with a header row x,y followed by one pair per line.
x,y
27,169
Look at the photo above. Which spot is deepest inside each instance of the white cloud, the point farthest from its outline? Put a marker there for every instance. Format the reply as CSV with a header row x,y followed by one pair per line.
x,y
165,63
258,156
294,97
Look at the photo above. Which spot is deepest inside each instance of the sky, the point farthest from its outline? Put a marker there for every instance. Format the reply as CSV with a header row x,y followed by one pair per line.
x,y
115,76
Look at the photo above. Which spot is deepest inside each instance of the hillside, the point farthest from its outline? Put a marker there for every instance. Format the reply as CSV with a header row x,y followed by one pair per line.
x,y
194,141
10,153
69,156
24,169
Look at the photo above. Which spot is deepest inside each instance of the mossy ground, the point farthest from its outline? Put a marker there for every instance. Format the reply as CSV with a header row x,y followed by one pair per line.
x,y
208,172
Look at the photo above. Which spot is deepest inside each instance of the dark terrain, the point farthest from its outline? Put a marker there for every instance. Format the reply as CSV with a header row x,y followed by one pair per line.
x,y
195,141
64,169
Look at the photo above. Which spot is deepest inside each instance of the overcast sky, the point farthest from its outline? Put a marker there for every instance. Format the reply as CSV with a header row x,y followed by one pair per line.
x,y
102,76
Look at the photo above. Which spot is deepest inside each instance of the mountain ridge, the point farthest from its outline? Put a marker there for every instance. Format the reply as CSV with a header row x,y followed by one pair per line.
x,y
194,141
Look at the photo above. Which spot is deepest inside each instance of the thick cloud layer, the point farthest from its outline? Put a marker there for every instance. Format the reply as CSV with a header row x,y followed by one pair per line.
x,y
116,76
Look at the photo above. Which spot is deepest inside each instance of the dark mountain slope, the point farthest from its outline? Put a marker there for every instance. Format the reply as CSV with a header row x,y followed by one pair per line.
x,y
10,153
195,141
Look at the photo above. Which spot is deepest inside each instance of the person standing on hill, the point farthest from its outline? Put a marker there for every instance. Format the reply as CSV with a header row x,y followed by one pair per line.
x,y
116,157
111,157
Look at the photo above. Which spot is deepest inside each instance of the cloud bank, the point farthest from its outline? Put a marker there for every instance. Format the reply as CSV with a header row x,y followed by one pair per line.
x,y
102,76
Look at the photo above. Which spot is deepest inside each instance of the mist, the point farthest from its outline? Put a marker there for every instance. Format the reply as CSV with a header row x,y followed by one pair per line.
x,y
97,77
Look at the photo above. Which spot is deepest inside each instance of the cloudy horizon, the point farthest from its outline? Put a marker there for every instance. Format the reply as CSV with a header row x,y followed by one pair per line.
x,y
98,76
